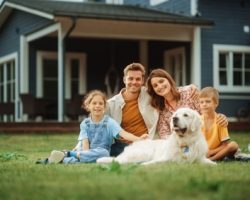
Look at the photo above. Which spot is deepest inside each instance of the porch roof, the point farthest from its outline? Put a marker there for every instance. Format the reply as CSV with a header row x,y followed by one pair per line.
x,y
98,10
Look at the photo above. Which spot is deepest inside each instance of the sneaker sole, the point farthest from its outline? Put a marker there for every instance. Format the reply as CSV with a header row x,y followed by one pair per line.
x,y
56,157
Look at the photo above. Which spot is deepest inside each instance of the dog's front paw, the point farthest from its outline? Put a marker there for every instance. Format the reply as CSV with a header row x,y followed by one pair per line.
x,y
150,162
209,162
146,163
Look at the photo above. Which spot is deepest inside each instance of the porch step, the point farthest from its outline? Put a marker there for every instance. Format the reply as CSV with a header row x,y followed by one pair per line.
x,y
73,127
239,126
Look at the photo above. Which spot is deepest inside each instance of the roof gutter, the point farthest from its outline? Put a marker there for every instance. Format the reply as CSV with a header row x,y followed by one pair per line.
x,y
73,25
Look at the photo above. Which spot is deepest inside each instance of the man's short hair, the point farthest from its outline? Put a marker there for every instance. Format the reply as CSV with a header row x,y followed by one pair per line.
x,y
134,67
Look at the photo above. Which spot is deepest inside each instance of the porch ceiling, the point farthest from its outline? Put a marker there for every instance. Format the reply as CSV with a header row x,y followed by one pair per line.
x,y
104,12
127,29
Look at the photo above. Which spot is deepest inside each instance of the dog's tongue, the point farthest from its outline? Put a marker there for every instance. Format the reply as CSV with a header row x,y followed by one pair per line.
x,y
178,129
183,130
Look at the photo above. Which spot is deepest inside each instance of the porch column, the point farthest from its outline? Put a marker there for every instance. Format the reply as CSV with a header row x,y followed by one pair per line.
x,y
24,73
143,48
196,57
60,76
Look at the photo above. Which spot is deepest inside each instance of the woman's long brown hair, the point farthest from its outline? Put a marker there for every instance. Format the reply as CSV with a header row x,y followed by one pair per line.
x,y
157,101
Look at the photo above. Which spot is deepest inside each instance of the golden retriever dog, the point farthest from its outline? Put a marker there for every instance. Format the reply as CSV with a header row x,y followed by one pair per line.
x,y
186,144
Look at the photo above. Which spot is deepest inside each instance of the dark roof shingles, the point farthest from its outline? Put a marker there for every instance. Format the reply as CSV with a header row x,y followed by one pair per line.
x,y
108,11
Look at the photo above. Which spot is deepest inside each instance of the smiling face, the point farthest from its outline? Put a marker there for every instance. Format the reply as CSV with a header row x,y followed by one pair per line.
x,y
133,81
96,106
161,86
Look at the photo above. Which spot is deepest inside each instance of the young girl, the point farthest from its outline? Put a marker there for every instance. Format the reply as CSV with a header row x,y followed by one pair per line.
x,y
96,133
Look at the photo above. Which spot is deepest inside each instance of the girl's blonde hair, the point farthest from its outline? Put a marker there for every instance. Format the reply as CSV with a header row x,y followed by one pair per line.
x,y
211,93
89,97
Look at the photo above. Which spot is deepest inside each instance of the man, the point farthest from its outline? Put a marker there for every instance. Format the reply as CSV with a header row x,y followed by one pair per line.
x,y
131,107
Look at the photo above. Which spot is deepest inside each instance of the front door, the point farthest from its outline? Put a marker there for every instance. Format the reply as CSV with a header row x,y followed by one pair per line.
x,y
175,65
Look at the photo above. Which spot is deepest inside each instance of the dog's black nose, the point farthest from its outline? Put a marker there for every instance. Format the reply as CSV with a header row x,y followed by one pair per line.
x,y
175,120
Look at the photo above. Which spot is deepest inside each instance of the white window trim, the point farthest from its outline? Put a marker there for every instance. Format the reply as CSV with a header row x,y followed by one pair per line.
x,y
196,57
53,55
4,60
235,48
82,73
28,10
114,2
194,7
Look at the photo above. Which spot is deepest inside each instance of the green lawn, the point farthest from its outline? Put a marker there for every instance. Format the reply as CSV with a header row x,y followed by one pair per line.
x,y
21,178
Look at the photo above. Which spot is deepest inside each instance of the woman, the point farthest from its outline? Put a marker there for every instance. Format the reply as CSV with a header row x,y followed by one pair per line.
x,y
167,98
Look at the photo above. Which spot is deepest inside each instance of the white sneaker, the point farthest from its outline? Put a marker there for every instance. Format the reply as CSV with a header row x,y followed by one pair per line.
x,y
56,156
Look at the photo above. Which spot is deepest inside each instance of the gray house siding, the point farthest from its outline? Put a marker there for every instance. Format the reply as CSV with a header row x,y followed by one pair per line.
x,y
228,30
19,23
232,107
229,17
180,7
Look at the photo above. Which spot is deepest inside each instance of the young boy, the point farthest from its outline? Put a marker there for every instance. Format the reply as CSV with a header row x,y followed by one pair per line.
x,y
217,137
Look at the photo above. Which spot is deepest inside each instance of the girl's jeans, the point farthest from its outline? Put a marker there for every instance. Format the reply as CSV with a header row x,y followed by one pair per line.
x,y
88,156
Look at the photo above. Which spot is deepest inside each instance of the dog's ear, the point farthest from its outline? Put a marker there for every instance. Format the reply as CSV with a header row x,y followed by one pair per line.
x,y
196,122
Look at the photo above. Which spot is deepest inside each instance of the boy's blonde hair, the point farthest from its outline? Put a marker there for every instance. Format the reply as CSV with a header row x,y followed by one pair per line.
x,y
210,92
89,97
134,67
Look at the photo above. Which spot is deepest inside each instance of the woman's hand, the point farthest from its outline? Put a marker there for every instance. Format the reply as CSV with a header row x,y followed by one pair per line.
x,y
221,120
144,136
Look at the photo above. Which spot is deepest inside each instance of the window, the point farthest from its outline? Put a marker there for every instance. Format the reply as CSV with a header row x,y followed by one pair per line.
x,y
7,82
175,64
232,68
47,76
7,85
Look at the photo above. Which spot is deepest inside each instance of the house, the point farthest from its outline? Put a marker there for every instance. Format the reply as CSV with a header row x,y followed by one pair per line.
x,y
53,52
225,50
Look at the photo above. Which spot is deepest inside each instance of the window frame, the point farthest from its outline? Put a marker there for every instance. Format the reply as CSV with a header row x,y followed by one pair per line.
x,y
10,61
82,57
230,49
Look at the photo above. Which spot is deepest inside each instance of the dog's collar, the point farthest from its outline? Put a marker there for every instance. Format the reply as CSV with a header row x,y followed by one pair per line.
x,y
184,149
183,145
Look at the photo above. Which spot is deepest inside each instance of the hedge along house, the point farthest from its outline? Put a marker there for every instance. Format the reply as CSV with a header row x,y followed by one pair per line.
x,y
52,51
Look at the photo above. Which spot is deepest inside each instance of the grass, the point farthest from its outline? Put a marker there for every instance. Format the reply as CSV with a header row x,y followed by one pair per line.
x,y
21,178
